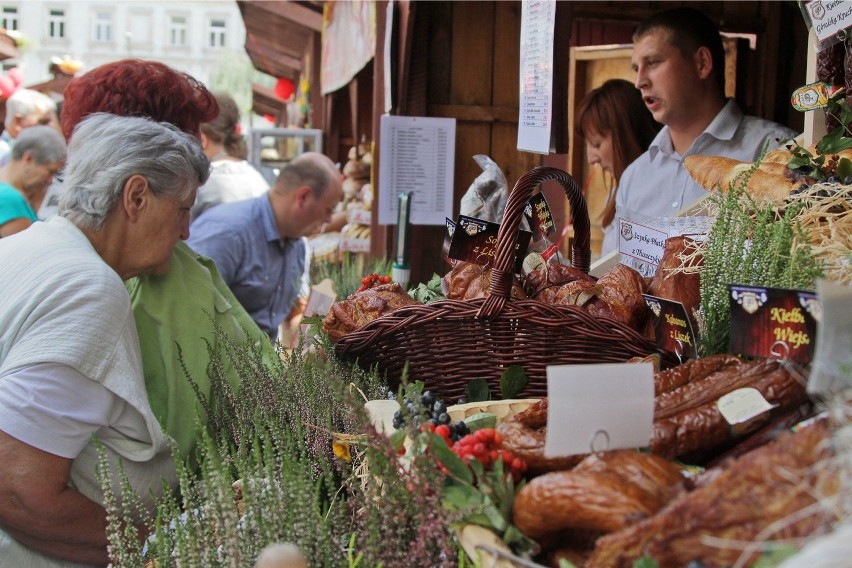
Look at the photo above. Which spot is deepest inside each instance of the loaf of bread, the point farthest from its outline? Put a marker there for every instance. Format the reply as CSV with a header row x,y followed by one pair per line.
x,y
468,280
766,182
541,284
361,308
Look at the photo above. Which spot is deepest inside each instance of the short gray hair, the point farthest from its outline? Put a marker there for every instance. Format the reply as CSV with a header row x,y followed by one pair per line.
x,y
43,143
25,102
106,150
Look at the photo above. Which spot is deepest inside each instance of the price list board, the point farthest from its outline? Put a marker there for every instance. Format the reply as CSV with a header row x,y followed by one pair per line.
x,y
536,107
417,155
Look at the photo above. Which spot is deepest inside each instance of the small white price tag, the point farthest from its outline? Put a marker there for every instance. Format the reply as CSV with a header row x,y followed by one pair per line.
x,y
599,407
742,405
321,298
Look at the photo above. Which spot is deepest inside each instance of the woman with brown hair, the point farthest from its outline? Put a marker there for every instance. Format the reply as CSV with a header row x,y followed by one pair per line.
x,y
232,177
617,127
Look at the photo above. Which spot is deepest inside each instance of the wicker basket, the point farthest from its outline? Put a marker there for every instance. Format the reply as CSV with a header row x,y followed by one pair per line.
x,y
448,343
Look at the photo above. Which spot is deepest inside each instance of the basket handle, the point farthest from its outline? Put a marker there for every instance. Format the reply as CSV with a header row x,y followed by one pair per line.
x,y
503,268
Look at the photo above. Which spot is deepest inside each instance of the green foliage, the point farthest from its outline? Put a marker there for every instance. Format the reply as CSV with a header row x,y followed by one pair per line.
x,y
347,274
275,433
429,292
513,381
752,246
233,74
477,390
482,497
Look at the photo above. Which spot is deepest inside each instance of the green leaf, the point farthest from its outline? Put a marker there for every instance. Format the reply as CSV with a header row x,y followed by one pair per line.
x,y
844,168
478,391
775,556
495,517
566,563
397,439
513,381
462,497
645,562
454,464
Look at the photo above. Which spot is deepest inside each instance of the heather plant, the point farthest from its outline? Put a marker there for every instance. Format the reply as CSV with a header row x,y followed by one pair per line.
x,y
273,434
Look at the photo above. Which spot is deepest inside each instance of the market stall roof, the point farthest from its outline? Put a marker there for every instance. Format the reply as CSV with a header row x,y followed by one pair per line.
x,y
266,102
278,34
55,85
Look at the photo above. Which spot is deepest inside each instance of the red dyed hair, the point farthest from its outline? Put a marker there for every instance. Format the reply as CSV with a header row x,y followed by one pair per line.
x,y
132,87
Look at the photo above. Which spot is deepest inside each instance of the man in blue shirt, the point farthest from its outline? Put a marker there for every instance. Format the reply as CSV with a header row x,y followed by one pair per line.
x,y
258,244
679,61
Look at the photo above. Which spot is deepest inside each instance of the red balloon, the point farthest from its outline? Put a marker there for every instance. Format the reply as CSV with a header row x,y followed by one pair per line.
x,y
16,76
7,86
284,88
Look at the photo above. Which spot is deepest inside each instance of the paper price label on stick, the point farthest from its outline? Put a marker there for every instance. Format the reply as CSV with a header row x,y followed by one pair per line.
x,y
599,407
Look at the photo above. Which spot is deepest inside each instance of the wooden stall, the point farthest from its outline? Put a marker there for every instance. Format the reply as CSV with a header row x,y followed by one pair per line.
x,y
461,60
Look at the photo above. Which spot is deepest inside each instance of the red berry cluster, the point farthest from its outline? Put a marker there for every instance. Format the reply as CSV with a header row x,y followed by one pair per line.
x,y
373,280
486,446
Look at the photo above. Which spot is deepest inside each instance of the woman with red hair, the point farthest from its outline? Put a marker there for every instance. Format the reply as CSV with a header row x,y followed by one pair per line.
x,y
181,307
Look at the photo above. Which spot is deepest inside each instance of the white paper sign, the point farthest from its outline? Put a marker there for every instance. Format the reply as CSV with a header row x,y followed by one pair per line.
x,y
829,17
832,363
599,407
742,405
642,244
536,106
417,155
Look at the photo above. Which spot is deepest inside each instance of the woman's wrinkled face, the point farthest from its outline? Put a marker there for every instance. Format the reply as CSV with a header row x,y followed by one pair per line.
x,y
599,149
167,224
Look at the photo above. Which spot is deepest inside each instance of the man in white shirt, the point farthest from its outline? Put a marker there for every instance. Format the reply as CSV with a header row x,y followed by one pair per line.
x,y
679,61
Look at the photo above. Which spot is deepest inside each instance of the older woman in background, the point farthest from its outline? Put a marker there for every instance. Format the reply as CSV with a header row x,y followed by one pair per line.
x,y
618,128
70,367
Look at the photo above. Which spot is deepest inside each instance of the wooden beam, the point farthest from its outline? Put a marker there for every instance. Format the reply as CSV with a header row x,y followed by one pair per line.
x,y
293,11
476,113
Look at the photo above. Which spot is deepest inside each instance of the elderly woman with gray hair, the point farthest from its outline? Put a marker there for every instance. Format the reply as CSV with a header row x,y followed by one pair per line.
x,y
70,368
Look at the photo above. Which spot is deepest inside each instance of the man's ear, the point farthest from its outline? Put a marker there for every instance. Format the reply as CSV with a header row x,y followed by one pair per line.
x,y
135,196
302,195
704,62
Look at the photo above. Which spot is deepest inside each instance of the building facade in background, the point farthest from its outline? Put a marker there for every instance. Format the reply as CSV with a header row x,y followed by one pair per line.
x,y
190,36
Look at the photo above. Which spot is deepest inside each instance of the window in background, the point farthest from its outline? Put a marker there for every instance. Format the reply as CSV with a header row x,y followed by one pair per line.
x,y
56,24
217,32
9,18
177,31
103,27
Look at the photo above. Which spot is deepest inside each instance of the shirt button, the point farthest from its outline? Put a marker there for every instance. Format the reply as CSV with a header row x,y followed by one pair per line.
x,y
674,203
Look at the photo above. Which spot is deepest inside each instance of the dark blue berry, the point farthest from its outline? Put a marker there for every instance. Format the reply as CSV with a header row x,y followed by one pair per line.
x,y
443,418
427,398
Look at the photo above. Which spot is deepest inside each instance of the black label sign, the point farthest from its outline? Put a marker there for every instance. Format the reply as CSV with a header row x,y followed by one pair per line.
x,y
773,322
672,328
475,240
539,217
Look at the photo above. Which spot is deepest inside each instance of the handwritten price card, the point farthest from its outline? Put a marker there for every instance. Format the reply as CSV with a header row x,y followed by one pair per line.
x,y
475,240
672,327
773,322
